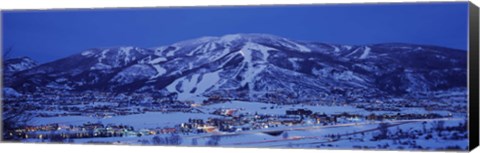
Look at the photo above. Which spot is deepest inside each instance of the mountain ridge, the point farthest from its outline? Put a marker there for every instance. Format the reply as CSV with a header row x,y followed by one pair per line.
x,y
258,67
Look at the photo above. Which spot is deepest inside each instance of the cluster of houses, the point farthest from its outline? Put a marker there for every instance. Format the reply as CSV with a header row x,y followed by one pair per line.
x,y
233,120
104,105
229,120
87,130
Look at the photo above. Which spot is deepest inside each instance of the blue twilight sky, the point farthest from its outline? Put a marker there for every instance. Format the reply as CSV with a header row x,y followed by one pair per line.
x,y
49,35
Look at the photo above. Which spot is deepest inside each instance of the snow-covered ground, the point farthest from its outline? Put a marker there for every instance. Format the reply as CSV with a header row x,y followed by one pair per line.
x,y
311,138
297,136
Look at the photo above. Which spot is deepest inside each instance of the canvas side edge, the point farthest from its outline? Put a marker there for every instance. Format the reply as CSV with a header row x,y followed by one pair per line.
x,y
473,76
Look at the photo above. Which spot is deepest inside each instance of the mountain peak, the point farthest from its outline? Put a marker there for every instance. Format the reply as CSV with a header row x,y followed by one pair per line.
x,y
249,37
229,38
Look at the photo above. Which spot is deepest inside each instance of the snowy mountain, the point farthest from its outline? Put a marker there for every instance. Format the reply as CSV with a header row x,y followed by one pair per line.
x,y
258,67
14,65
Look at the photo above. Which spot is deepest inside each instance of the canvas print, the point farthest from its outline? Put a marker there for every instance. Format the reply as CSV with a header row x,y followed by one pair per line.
x,y
342,76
